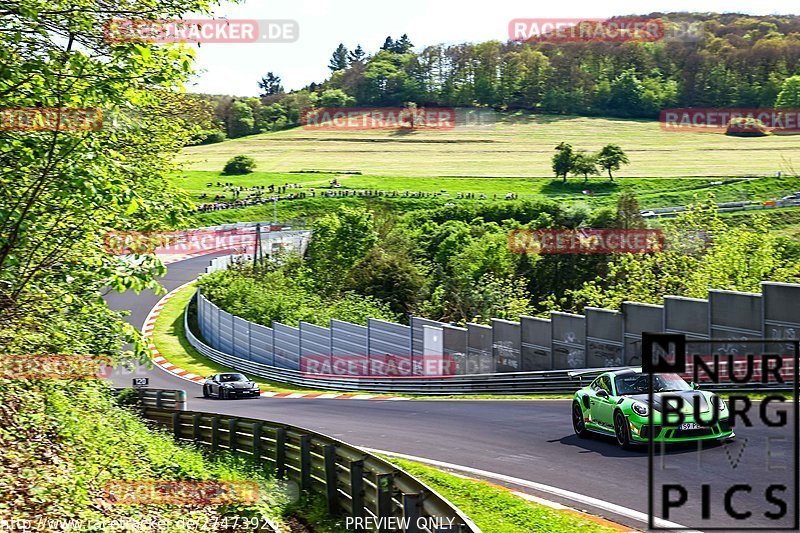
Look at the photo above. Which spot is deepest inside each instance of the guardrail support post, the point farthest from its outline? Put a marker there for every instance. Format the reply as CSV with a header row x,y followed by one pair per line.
x,y
357,488
331,479
232,434
159,394
280,453
176,425
196,427
411,504
384,482
257,443
180,400
214,434
305,462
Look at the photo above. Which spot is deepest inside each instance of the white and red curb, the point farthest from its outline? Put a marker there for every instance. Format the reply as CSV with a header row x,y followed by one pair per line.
x,y
147,330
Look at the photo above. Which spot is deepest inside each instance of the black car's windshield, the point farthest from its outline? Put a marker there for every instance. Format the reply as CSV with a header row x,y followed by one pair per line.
x,y
637,383
228,378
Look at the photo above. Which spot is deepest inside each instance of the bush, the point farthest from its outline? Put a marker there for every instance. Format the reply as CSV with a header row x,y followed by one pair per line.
x,y
212,137
240,164
746,127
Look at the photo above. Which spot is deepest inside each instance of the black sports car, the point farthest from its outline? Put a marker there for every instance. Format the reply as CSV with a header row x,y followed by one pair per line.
x,y
229,385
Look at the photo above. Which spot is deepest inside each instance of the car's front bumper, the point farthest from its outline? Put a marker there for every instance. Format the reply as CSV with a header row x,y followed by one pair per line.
x,y
243,393
718,431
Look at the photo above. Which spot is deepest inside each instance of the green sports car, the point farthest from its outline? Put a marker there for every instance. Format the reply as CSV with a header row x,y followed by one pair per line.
x,y
616,403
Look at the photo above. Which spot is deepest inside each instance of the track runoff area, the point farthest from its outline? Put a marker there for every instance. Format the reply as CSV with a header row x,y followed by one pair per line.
x,y
753,485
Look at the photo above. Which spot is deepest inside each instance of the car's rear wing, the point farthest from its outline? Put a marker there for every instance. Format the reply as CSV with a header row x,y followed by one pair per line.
x,y
579,375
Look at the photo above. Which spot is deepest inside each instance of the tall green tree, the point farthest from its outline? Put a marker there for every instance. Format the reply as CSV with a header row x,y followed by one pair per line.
x,y
563,160
584,164
339,60
62,191
357,54
611,157
789,97
241,121
270,85
341,239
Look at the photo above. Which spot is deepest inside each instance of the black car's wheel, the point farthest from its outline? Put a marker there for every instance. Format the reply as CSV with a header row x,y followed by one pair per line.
x,y
205,391
224,394
578,423
622,431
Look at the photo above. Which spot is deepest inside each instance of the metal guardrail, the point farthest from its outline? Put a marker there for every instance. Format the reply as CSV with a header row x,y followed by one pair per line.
x,y
163,399
354,482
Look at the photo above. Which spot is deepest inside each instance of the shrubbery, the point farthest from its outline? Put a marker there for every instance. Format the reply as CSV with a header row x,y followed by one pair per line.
x,y
240,164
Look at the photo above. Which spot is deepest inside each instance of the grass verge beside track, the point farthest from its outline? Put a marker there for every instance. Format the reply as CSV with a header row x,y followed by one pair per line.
x,y
169,336
497,509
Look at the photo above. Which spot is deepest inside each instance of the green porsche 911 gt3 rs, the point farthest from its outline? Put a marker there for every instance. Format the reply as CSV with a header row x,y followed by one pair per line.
x,y
616,403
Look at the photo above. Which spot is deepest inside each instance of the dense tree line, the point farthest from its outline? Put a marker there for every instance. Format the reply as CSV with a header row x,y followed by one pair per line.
x,y
739,61
456,264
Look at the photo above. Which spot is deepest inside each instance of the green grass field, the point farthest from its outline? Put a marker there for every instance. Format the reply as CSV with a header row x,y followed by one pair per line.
x,y
517,146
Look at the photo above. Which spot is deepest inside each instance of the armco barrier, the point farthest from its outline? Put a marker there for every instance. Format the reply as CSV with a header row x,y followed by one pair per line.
x,y
163,399
354,482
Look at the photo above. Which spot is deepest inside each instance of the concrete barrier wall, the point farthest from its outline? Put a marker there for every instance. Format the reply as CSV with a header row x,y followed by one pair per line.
x,y
600,338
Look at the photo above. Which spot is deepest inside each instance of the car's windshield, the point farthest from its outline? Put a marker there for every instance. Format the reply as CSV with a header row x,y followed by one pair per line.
x,y
637,383
228,378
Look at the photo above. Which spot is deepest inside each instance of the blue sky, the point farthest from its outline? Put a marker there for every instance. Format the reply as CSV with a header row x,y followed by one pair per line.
x,y
236,68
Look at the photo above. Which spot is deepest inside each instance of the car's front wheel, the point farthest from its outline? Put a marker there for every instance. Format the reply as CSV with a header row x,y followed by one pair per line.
x,y
205,391
578,423
224,394
622,431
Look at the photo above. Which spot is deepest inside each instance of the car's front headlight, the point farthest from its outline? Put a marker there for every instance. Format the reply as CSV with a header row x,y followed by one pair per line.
x,y
640,409
722,405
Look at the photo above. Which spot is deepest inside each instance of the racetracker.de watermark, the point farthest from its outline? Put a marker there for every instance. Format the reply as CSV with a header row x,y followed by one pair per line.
x,y
33,119
705,119
201,31
168,492
615,30
382,366
586,241
378,118
180,242
54,367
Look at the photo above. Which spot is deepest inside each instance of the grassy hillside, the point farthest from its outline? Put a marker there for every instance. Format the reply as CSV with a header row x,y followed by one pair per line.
x,y
62,443
517,146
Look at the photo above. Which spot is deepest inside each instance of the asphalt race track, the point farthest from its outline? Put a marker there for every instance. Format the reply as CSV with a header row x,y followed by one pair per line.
x,y
529,440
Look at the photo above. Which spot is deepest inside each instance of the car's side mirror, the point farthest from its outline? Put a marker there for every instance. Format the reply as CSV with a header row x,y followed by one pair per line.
x,y
602,394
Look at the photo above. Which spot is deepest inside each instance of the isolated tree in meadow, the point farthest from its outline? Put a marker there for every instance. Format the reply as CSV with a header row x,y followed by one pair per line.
x,y
562,160
356,55
584,164
339,59
789,97
611,157
270,85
